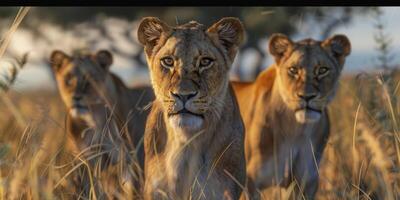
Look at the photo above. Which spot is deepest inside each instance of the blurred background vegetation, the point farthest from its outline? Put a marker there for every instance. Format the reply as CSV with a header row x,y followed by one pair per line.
x,y
260,22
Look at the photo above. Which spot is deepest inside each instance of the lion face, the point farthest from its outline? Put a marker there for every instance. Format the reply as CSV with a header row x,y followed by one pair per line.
x,y
308,72
81,79
189,68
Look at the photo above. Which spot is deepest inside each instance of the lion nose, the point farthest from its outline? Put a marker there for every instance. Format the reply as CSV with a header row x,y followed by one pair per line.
x,y
184,96
77,98
306,97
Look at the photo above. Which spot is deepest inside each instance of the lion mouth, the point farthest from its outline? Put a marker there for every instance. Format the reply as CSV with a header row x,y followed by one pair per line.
x,y
186,121
308,108
78,109
184,111
307,115
79,106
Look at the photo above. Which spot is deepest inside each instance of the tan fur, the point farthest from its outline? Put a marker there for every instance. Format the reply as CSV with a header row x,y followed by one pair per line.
x,y
280,146
104,116
198,154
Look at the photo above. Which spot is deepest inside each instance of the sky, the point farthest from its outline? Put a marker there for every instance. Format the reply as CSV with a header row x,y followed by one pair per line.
x,y
360,32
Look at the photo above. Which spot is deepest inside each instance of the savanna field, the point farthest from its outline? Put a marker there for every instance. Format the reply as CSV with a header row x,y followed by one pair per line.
x,y
360,161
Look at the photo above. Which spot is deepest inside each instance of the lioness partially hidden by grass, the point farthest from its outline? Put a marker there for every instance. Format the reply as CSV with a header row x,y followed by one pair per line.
x,y
105,123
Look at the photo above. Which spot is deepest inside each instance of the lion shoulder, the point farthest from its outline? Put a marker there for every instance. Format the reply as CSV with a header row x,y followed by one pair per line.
x,y
248,92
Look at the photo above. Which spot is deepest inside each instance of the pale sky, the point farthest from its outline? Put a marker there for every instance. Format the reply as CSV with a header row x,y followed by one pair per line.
x,y
361,33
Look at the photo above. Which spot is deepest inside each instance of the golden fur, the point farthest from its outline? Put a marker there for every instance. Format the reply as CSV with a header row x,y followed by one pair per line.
x,y
104,116
194,139
285,115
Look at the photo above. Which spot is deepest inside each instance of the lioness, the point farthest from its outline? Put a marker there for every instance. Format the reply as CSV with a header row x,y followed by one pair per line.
x,y
285,112
105,119
194,139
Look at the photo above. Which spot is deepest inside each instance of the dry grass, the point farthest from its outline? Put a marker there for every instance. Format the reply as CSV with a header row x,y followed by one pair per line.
x,y
34,163
31,148
361,159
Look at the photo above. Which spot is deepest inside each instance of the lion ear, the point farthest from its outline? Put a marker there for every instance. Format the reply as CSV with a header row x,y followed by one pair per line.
x,y
150,30
278,45
57,59
104,58
338,46
229,33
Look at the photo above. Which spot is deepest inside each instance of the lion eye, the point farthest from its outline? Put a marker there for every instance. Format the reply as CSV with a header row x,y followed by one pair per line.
x,y
205,62
68,80
293,70
167,62
322,70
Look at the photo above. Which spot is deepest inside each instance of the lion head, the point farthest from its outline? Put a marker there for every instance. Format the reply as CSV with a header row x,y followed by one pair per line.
x,y
308,72
189,67
82,79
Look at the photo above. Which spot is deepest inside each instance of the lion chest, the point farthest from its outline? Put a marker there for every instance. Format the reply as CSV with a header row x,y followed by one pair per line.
x,y
293,156
187,174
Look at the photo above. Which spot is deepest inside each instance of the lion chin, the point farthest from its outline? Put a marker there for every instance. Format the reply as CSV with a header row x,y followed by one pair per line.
x,y
186,122
307,116
78,111
84,114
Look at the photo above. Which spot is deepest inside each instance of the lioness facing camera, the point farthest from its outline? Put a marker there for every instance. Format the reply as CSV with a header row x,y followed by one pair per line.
x,y
285,112
105,119
194,139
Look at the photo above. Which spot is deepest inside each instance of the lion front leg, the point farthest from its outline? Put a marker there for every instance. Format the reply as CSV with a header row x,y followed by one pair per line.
x,y
251,192
87,185
307,190
156,188
311,188
306,182
156,194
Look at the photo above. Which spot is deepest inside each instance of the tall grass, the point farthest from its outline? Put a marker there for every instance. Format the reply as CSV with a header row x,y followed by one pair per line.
x,y
362,158
31,164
